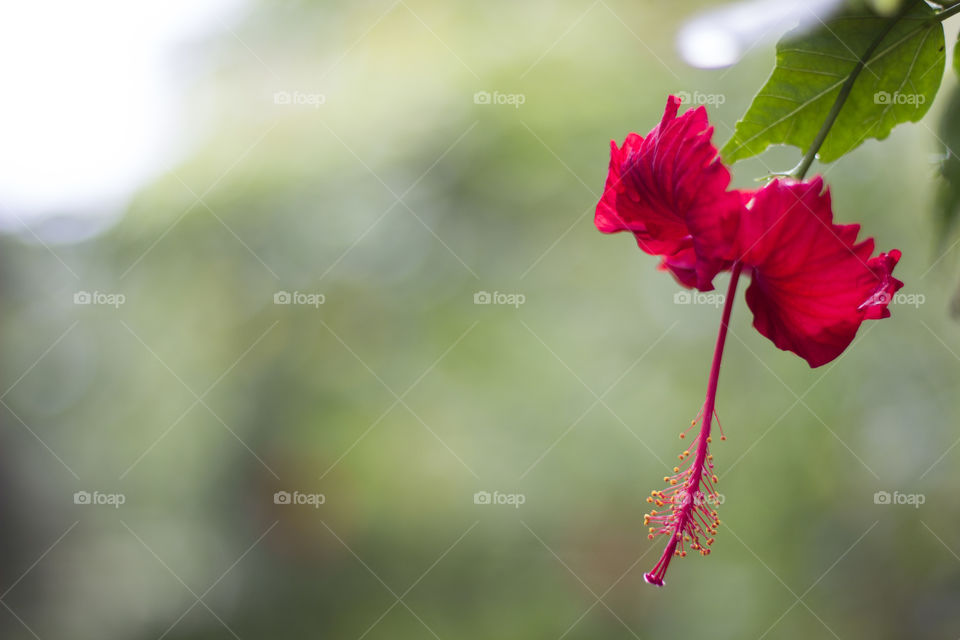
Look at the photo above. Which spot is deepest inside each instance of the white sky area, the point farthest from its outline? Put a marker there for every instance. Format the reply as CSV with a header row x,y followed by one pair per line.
x,y
720,37
90,108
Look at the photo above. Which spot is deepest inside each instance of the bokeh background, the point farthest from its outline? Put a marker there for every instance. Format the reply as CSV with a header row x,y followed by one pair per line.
x,y
336,150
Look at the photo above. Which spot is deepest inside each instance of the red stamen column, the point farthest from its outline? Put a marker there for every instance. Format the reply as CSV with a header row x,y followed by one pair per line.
x,y
689,518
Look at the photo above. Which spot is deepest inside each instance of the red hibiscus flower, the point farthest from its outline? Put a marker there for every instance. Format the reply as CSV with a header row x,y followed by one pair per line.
x,y
670,190
812,282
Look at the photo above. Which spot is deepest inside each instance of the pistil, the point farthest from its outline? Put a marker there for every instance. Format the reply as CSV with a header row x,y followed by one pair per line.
x,y
691,519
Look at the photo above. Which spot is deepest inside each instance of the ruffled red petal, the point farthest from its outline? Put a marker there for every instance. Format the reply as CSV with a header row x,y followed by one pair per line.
x,y
670,190
813,283
682,265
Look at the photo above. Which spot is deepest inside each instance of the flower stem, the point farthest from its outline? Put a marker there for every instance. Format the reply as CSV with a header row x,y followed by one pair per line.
x,y
714,380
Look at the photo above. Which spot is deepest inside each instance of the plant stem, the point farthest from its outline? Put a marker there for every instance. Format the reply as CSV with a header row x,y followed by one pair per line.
x,y
946,13
847,87
714,380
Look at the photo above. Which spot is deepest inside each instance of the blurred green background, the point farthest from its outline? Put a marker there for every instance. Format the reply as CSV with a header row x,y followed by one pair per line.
x,y
398,199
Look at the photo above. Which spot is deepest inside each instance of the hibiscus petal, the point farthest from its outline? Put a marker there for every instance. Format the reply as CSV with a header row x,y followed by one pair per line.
x,y
875,307
670,190
813,283
683,265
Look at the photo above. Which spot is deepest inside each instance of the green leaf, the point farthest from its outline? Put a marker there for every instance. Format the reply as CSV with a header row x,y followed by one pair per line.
x,y
898,84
